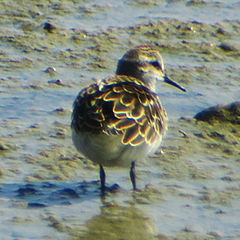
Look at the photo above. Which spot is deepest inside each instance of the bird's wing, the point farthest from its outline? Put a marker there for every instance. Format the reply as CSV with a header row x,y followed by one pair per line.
x,y
120,105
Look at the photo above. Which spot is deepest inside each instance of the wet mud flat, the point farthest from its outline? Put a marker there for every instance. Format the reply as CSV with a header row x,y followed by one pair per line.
x,y
49,191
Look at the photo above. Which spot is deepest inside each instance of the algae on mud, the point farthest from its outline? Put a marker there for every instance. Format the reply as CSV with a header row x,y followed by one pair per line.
x,y
193,183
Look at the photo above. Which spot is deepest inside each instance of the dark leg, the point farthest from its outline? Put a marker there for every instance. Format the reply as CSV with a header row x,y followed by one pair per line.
x,y
133,175
102,178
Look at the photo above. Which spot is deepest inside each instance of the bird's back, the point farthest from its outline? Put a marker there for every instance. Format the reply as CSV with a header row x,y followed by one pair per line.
x,y
120,105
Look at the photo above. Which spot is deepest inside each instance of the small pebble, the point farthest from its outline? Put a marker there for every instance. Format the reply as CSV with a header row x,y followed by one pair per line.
x,y
58,81
216,234
50,70
26,191
49,27
36,205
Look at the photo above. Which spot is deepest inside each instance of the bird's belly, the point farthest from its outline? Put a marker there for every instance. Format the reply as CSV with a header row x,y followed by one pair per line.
x,y
108,150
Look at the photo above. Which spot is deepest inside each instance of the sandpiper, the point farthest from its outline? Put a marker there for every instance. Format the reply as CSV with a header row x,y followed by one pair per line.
x,y
120,120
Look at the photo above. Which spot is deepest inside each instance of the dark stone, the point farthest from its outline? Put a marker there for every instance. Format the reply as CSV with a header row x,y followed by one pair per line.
x,y
221,113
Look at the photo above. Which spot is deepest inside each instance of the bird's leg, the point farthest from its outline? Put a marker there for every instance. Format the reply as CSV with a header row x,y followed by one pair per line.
x,y
102,178
133,175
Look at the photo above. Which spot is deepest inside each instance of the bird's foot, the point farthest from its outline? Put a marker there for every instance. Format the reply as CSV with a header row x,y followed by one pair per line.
x,y
113,189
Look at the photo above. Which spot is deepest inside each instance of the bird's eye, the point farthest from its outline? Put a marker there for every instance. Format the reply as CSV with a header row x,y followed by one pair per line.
x,y
156,64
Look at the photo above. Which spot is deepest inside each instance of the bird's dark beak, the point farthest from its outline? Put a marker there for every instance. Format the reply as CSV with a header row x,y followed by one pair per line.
x,y
169,81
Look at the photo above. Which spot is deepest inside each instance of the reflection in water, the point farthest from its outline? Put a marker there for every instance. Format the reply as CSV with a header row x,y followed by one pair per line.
x,y
118,222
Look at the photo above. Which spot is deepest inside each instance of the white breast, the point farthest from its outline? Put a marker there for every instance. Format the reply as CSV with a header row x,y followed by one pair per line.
x,y
108,150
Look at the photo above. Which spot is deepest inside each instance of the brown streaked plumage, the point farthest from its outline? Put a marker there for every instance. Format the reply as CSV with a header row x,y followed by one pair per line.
x,y
120,119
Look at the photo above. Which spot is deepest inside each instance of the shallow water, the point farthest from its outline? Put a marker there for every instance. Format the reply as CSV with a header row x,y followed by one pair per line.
x,y
102,15
48,191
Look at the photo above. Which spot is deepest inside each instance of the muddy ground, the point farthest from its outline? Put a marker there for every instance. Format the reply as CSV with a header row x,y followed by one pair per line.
x,y
190,189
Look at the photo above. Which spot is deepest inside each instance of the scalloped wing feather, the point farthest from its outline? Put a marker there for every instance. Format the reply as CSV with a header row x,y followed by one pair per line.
x,y
120,105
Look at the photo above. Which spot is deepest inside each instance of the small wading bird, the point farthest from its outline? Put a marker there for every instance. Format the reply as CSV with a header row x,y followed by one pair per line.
x,y
120,119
